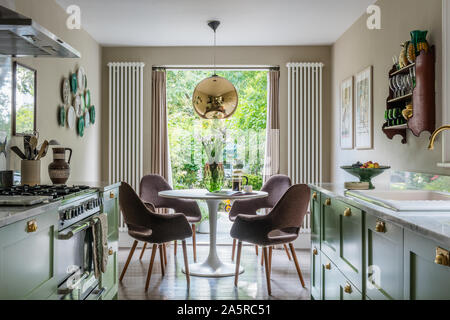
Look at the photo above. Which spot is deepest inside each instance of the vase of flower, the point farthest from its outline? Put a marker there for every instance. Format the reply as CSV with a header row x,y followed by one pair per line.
x,y
213,173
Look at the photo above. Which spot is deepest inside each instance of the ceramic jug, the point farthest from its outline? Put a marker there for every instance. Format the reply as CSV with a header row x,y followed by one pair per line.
x,y
59,169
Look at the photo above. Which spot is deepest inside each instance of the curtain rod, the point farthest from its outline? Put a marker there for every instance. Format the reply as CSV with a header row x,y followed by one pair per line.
x,y
268,68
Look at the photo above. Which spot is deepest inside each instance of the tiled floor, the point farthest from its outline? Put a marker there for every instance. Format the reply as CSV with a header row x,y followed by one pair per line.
x,y
252,283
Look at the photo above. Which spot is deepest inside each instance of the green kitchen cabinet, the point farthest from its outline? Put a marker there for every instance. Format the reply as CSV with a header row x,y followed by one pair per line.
x,y
384,256
316,273
342,238
335,285
27,260
110,279
424,278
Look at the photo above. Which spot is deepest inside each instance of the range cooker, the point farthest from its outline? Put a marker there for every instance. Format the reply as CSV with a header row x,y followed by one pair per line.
x,y
74,247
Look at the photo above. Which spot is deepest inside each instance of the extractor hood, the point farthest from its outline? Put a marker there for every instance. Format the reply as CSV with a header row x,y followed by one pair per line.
x,y
21,36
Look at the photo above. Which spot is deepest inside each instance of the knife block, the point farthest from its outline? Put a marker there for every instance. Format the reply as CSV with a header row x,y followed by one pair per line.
x,y
30,172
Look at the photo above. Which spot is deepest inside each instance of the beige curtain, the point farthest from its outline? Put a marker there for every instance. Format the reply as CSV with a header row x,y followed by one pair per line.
x,y
272,155
159,139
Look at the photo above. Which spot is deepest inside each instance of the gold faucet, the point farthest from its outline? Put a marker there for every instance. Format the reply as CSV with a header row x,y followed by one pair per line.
x,y
435,134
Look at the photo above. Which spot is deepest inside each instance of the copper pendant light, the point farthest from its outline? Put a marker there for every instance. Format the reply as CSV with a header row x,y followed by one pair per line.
x,y
215,97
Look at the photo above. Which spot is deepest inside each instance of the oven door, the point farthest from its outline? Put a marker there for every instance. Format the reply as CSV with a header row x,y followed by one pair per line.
x,y
75,270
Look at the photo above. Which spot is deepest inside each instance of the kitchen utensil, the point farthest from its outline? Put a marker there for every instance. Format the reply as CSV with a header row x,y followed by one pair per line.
x,y
42,150
365,174
27,147
71,117
66,91
59,169
33,143
19,152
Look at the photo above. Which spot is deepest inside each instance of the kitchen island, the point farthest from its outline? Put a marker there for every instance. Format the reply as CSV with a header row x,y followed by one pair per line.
x,y
363,251
30,261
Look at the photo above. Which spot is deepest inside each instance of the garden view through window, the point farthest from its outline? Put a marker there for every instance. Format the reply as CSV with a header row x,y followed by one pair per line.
x,y
245,130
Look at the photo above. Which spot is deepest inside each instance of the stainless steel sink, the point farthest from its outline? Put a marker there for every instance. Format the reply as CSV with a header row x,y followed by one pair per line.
x,y
407,200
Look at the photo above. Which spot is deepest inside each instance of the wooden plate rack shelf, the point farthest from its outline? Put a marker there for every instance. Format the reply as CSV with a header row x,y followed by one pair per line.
x,y
422,98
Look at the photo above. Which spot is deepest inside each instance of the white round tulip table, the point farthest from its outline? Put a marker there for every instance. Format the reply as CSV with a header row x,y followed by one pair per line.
x,y
213,266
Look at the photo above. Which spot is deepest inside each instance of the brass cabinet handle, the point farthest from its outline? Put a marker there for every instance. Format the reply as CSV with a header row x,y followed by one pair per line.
x,y
348,289
111,195
110,251
328,266
32,226
328,202
380,227
314,195
442,257
315,252
348,212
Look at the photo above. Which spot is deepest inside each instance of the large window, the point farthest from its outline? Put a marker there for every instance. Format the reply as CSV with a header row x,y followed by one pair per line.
x,y
245,130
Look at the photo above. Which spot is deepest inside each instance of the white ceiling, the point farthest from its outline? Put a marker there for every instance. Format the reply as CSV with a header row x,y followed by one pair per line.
x,y
244,22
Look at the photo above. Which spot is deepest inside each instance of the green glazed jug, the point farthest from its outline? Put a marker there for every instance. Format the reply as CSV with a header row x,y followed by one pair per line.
x,y
419,39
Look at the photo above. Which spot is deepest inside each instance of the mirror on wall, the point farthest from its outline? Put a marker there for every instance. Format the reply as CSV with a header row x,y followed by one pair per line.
x,y
24,100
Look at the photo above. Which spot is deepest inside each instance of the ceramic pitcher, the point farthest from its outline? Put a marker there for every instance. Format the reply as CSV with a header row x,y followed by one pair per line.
x,y
59,169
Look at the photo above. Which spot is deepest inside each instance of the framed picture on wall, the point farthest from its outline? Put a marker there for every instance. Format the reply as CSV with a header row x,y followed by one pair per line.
x,y
363,110
347,114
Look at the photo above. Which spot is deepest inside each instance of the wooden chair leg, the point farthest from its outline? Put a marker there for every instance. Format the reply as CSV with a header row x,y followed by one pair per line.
x,y
150,267
297,266
256,249
161,258
175,248
143,250
238,261
165,254
233,250
270,259
266,262
186,263
130,255
262,259
194,243
287,252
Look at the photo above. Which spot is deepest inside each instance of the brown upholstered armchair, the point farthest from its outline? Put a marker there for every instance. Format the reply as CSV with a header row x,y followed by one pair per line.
x,y
150,227
276,187
151,185
281,226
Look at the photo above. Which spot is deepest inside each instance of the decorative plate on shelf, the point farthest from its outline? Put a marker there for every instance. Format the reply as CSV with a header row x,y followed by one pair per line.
x,y
80,78
62,116
92,114
66,91
87,98
87,119
80,126
71,117
73,83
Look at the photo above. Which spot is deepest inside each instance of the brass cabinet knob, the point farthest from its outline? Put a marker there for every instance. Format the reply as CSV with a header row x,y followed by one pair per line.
x,y
32,226
314,196
328,202
111,195
348,212
328,266
348,289
380,227
315,252
442,257
110,251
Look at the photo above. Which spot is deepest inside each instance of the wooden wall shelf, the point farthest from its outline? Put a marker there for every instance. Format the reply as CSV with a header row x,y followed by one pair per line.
x,y
423,98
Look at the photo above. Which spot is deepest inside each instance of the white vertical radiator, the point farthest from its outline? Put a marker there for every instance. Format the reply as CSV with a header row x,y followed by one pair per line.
x,y
126,124
305,125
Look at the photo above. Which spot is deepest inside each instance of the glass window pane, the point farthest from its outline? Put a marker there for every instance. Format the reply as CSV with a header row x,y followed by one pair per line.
x,y
25,100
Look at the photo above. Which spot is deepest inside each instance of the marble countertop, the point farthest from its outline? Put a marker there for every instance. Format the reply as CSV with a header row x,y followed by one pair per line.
x,y
432,225
9,215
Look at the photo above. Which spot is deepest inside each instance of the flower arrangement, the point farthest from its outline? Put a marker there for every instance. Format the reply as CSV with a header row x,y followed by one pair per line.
x,y
213,176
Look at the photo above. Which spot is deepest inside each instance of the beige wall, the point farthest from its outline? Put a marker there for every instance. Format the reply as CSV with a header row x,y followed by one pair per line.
x,y
86,160
359,48
152,56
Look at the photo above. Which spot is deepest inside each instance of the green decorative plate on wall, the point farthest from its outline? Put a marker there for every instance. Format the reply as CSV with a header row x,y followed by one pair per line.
x,y
73,83
62,116
87,98
81,126
92,114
